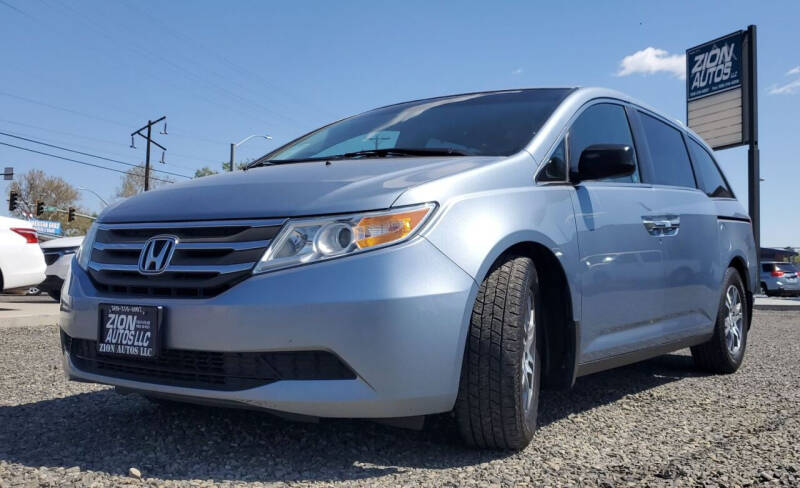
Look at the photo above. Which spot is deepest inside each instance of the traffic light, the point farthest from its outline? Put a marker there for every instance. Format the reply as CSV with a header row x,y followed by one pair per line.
x,y
71,214
13,201
39,208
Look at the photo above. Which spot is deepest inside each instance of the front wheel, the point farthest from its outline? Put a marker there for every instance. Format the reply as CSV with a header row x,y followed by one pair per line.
x,y
724,352
498,397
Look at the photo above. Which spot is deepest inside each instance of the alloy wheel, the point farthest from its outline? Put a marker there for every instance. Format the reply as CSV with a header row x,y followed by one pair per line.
x,y
734,321
529,358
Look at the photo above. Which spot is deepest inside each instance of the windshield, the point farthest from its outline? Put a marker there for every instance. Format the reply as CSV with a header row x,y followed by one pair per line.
x,y
481,124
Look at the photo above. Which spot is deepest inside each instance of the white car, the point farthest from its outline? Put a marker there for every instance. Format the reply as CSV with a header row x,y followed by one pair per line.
x,y
58,255
21,259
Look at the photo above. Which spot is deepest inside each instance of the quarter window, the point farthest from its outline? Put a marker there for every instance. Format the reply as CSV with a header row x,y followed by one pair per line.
x,y
604,123
671,164
555,168
711,180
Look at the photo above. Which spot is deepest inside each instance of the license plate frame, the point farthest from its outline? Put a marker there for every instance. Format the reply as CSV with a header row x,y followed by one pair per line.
x,y
133,323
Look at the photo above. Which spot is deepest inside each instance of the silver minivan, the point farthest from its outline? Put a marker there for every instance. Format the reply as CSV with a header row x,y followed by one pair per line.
x,y
448,255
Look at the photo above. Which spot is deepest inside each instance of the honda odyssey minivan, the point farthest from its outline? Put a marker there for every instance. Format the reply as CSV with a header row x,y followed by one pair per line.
x,y
448,255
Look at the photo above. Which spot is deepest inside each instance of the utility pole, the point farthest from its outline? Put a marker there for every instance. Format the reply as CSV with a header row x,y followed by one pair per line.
x,y
149,127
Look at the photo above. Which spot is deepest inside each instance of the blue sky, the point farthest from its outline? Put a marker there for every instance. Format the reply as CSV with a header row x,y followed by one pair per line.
x,y
85,74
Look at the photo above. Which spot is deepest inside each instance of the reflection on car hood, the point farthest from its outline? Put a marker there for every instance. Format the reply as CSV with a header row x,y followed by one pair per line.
x,y
290,190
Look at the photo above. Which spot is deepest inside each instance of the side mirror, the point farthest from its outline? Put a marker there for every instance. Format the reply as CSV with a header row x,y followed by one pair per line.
x,y
601,161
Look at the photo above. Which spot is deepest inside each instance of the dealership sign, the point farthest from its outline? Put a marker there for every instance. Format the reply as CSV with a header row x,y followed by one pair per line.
x,y
714,67
716,90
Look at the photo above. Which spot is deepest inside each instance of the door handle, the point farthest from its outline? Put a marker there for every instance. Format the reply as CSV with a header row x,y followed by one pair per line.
x,y
662,225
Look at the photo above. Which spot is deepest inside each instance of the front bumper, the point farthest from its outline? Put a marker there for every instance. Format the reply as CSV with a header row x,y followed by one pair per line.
x,y
397,317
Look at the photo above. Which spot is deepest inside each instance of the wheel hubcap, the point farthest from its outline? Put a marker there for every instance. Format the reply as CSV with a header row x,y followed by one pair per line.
x,y
529,358
734,321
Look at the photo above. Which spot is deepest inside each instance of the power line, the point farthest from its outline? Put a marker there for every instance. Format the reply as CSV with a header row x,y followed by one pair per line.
x,y
76,161
103,141
245,73
87,154
63,109
3,2
248,104
156,56
95,117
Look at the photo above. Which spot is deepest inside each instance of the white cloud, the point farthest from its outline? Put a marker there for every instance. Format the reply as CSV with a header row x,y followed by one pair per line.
x,y
787,88
517,71
652,60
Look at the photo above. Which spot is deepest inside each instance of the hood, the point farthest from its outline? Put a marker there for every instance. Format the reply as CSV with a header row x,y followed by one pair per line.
x,y
290,190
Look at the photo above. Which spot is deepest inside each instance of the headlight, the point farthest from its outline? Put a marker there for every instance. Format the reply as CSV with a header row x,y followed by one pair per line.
x,y
85,250
310,240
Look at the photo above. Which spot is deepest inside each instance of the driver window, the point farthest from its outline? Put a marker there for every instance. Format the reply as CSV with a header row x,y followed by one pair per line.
x,y
604,123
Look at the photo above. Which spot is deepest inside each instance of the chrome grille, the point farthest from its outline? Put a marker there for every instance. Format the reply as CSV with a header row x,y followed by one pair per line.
x,y
209,258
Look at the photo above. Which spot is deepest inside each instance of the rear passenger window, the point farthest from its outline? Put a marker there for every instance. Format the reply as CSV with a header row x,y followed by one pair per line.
x,y
604,123
711,180
671,164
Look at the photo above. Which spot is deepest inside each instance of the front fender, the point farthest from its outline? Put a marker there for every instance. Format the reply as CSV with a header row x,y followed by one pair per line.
x,y
475,229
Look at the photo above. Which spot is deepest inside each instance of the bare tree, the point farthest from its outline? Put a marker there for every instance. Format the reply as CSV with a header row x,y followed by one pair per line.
x,y
54,191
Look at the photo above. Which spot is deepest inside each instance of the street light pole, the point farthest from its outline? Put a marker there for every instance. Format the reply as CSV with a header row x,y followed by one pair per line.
x,y
95,194
234,146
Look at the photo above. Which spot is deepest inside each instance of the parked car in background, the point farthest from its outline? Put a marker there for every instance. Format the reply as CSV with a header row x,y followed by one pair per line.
x,y
779,278
21,259
58,255
447,255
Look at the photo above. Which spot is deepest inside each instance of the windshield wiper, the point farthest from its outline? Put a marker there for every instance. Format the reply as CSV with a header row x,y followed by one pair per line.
x,y
381,153
403,151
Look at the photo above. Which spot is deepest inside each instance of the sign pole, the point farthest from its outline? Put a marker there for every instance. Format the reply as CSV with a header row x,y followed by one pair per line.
x,y
753,163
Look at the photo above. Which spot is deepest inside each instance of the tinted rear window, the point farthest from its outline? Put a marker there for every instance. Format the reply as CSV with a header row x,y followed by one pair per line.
x,y
671,165
711,179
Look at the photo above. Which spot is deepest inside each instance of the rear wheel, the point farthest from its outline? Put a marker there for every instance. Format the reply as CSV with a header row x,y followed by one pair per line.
x,y
763,289
724,352
498,398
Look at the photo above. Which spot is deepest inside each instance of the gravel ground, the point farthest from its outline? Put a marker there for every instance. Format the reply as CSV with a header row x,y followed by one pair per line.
x,y
655,423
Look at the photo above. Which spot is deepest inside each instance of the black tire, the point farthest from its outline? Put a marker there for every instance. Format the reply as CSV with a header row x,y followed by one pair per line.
x,y
763,290
55,295
490,410
715,355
